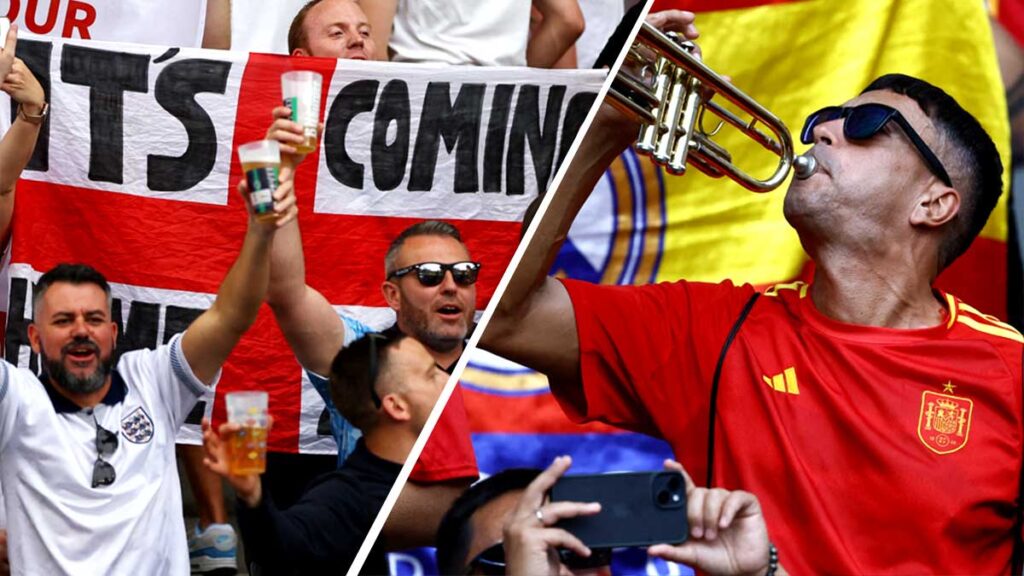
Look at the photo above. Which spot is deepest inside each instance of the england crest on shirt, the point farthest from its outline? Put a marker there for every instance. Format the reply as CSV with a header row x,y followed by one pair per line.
x,y
137,427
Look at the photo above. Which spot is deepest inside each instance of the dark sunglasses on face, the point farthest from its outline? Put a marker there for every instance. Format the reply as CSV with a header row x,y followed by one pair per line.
x,y
103,473
490,562
864,121
377,340
432,273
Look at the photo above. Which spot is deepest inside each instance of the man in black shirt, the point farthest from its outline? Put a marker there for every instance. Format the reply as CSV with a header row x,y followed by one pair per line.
x,y
386,385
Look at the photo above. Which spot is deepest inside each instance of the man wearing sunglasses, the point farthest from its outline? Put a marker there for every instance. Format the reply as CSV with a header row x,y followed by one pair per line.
x,y
385,385
87,449
877,419
430,284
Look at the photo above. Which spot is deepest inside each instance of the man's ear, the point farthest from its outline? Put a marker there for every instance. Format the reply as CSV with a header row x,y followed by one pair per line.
x,y
33,337
299,52
396,407
391,295
935,206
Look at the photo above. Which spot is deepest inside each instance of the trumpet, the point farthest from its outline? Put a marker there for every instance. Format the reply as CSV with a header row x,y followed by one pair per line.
x,y
671,105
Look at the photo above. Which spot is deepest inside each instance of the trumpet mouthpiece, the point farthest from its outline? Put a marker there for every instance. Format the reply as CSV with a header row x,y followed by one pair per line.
x,y
804,166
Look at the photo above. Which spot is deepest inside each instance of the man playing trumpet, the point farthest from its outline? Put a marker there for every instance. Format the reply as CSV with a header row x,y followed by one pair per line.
x,y
877,419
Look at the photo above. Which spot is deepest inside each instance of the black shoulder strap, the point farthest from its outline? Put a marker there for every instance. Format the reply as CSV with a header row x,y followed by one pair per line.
x,y
1018,523
714,384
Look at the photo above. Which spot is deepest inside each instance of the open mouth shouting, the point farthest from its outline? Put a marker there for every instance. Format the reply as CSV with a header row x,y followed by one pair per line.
x,y
449,312
82,353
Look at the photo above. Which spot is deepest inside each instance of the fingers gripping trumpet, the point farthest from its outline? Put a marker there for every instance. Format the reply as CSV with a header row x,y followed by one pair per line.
x,y
671,103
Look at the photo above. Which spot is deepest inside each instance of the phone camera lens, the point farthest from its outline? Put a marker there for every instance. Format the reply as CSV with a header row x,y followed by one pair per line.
x,y
664,497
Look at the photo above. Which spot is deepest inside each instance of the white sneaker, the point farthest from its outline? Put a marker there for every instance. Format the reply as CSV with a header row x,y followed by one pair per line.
x,y
213,550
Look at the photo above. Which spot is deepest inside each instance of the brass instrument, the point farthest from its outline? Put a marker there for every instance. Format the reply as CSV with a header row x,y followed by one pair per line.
x,y
671,112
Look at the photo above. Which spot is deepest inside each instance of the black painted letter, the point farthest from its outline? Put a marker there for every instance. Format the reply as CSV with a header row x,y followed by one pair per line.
x,y
353,99
458,124
526,127
388,160
108,75
175,90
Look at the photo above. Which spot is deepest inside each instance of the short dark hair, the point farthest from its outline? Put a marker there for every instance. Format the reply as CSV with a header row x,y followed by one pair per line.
x,y
975,166
425,228
297,31
455,531
350,378
75,274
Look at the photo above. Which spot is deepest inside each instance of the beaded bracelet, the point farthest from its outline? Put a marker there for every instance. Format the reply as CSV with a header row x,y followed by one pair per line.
x,y
773,560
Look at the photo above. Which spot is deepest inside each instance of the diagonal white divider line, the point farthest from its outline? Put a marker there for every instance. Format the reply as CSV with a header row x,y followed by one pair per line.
x,y
442,400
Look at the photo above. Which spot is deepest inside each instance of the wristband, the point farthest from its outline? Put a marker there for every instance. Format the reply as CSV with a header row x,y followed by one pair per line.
x,y
36,119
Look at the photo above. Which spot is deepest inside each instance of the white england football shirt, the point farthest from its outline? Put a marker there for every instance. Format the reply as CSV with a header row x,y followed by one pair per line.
x,y
57,522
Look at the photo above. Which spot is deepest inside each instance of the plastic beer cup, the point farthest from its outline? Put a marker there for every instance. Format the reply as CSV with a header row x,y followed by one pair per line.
x,y
247,447
300,90
261,162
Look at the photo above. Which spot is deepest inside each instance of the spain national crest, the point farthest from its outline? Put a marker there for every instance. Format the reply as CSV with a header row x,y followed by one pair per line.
x,y
137,427
944,423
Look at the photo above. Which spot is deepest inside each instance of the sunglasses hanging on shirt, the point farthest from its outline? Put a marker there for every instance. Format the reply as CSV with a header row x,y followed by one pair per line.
x,y
103,473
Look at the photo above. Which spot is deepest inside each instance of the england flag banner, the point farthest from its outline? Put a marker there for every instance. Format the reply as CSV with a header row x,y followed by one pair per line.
x,y
178,23
135,173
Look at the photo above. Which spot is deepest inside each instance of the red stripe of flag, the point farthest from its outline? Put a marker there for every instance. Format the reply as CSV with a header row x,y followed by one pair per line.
x,y
529,414
190,246
1010,14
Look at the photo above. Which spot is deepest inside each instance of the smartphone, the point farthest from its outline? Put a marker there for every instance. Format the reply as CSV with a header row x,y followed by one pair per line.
x,y
5,25
637,508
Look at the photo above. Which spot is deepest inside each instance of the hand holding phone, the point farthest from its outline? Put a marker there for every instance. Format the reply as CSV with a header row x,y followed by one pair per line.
x,y
728,533
530,535
638,509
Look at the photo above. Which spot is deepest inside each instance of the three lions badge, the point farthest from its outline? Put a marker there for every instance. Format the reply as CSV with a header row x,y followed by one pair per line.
x,y
137,427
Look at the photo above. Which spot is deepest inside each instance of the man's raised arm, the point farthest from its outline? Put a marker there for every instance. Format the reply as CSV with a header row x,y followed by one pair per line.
x,y
311,326
534,323
208,341
381,15
20,140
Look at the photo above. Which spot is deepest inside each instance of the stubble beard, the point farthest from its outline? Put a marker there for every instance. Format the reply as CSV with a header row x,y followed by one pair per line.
x,y
419,324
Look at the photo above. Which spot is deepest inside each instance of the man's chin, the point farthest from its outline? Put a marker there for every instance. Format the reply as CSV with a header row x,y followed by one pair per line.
x,y
79,379
445,339
85,384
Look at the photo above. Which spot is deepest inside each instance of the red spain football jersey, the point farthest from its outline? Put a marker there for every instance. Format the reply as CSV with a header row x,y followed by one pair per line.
x,y
872,450
448,454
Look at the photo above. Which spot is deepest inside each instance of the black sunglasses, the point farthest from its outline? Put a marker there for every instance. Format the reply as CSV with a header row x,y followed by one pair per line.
x,y
490,562
380,339
432,273
103,473
864,121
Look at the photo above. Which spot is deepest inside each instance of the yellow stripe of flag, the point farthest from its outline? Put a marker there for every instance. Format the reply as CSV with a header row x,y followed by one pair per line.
x,y
796,58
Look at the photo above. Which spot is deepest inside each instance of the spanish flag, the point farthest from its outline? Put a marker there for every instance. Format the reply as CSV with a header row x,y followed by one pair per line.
x,y
795,57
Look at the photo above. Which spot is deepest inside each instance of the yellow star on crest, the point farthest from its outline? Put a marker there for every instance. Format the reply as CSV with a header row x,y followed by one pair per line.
x,y
948,387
